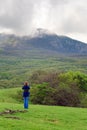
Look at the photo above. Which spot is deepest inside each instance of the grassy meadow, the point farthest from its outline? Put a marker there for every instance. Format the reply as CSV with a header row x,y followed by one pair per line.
x,y
43,118
39,117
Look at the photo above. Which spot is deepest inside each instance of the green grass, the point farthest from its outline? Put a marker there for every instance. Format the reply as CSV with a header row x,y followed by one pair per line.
x,y
9,95
44,118
40,117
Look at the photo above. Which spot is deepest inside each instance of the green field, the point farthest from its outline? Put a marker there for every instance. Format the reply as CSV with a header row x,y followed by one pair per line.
x,y
39,117
43,118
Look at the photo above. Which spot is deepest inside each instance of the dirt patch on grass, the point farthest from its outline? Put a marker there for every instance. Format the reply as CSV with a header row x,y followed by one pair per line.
x,y
10,112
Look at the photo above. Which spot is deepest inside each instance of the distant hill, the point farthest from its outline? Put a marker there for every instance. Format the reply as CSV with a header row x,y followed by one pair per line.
x,y
43,41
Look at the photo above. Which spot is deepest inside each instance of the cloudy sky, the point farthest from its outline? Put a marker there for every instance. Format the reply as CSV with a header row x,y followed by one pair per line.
x,y
64,17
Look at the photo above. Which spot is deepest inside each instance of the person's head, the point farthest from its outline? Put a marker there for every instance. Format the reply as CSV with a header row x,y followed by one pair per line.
x,y
26,83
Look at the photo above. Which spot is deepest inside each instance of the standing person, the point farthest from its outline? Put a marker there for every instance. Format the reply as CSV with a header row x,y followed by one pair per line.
x,y
26,94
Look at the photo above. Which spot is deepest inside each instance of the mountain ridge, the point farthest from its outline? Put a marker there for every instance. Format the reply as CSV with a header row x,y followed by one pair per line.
x,y
43,41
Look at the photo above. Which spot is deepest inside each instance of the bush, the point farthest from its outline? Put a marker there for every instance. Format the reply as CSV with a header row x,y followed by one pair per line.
x,y
63,89
67,97
41,94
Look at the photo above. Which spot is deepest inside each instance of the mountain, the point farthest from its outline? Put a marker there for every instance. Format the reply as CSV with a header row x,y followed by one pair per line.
x,y
42,41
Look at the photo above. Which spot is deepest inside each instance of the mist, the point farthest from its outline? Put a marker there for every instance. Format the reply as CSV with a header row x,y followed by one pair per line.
x,y
64,17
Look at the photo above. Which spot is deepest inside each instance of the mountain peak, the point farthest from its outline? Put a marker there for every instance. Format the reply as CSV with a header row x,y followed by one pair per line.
x,y
40,32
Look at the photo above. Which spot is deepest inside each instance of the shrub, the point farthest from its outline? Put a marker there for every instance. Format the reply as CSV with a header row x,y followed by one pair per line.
x,y
41,94
63,89
67,97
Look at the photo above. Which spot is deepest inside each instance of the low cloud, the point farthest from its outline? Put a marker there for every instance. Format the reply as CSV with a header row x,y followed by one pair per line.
x,y
65,17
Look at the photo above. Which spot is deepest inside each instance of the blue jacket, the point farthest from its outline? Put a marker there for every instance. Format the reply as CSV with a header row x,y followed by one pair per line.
x,y
26,92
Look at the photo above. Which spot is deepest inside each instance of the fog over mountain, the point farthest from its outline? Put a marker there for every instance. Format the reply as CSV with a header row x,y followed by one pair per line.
x,y
42,41
64,17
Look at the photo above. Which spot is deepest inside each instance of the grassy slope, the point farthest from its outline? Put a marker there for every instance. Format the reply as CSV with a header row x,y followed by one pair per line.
x,y
41,117
8,95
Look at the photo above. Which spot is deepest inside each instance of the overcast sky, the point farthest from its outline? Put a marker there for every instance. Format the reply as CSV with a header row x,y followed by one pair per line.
x,y
64,17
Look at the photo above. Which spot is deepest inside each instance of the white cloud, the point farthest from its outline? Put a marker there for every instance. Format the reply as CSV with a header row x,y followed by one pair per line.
x,y
65,17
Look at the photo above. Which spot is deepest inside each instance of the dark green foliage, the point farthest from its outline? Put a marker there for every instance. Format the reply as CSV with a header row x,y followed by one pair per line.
x,y
53,88
82,80
41,94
